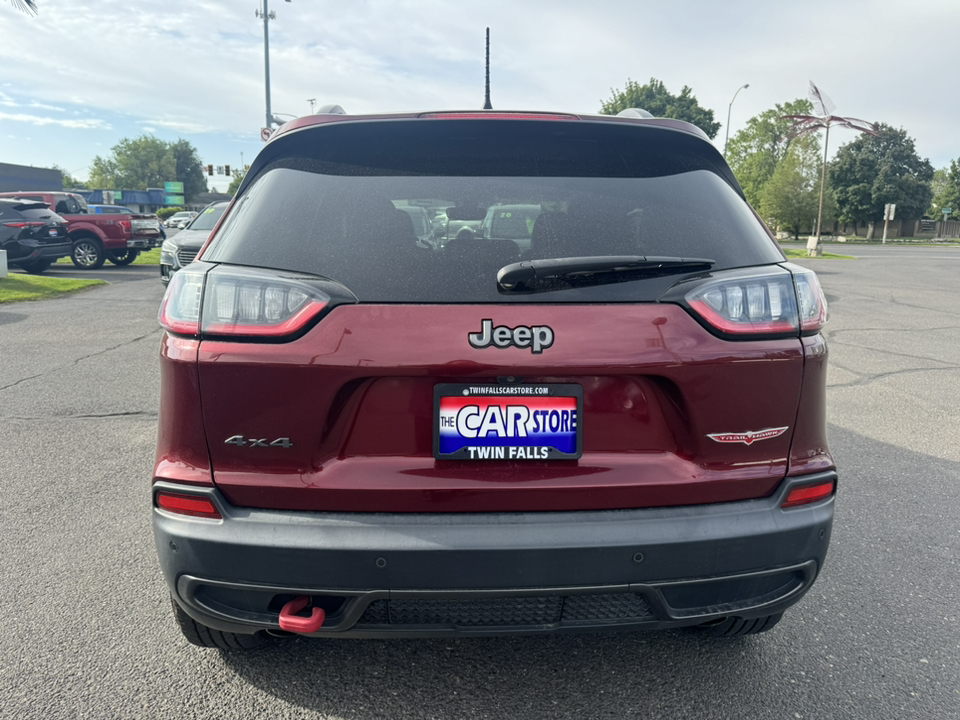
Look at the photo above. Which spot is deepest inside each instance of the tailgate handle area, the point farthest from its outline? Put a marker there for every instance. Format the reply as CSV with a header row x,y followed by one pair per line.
x,y
291,622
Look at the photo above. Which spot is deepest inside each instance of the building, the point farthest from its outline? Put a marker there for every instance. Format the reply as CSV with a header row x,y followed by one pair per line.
x,y
146,201
23,177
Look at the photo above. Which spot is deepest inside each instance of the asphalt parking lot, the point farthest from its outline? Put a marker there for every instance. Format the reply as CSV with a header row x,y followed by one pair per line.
x,y
87,626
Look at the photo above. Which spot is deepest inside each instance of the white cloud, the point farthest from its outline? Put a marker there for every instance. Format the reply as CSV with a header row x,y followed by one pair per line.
x,y
183,126
37,120
196,67
40,106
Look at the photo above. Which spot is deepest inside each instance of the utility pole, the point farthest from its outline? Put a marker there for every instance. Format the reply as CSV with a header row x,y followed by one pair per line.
x,y
267,16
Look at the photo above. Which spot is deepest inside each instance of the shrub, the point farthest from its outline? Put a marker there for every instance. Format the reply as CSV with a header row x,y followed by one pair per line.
x,y
164,213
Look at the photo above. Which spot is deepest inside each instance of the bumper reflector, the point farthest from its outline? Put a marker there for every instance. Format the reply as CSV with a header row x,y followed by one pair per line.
x,y
193,505
806,494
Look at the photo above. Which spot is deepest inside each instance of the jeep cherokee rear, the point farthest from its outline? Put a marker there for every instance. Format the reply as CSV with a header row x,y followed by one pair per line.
x,y
617,425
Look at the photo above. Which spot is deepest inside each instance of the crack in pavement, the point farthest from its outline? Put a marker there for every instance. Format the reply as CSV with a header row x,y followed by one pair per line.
x,y
867,379
892,353
890,300
83,357
92,416
830,334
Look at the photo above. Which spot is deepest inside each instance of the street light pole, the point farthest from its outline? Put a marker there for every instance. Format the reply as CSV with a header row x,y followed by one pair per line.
x,y
729,108
266,57
267,17
807,124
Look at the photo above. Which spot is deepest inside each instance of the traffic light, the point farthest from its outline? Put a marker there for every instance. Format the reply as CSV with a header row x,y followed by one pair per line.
x,y
226,170
209,169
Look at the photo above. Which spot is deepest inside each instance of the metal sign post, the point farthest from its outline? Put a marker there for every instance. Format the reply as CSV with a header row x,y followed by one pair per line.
x,y
888,211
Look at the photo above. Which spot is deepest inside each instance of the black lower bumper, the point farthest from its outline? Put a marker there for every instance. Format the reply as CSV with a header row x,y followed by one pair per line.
x,y
419,574
43,251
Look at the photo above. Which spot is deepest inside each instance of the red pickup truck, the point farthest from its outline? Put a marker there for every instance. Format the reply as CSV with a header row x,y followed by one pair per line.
x,y
97,238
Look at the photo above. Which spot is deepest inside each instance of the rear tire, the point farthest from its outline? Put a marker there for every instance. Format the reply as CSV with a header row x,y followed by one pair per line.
x,y
203,636
88,254
37,266
124,257
737,627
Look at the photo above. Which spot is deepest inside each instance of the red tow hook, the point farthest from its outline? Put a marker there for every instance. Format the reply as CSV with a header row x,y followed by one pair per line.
x,y
291,622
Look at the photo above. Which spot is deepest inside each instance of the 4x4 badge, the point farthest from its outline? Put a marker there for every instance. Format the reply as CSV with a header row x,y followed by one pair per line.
x,y
748,437
241,441
537,337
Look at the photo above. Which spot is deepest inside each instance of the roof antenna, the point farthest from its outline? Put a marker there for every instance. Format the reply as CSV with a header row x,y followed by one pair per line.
x,y
486,99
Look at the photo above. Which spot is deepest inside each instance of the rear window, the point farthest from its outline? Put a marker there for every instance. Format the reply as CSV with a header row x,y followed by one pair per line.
x,y
208,217
338,201
38,212
30,207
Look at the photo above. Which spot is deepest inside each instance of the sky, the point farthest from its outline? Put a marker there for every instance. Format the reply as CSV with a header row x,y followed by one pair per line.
x,y
80,76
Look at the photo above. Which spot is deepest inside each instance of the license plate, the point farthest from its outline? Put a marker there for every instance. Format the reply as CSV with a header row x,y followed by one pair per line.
x,y
507,422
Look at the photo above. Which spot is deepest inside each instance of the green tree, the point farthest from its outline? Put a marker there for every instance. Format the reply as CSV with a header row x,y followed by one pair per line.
x,y
755,151
660,102
871,171
189,168
146,162
791,197
69,181
134,165
946,191
238,176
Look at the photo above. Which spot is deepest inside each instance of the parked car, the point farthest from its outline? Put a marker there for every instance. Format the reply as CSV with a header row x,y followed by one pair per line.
x,y
422,227
180,219
97,237
511,222
110,210
182,248
32,235
621,428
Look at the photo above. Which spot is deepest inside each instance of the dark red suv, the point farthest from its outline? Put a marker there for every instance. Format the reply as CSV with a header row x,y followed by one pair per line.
x,y
616,424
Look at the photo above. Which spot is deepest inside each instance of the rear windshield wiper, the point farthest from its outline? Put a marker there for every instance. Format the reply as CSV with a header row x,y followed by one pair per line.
x,y
524,276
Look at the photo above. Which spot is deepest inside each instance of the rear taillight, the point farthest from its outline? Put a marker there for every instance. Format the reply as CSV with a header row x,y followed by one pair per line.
x,y
180,307
193,505
806,494
24,224
125,225
770,301
239,303
813,304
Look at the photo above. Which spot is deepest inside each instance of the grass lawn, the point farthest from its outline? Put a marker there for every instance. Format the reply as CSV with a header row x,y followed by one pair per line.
x,y
794,253
17,287
149,257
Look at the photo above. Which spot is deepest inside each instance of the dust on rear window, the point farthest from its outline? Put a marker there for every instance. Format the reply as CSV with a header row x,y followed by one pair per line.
x,y
429,211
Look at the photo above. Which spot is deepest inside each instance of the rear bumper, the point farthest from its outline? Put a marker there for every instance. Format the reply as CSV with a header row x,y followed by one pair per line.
x,y
45,251
144,243
451,574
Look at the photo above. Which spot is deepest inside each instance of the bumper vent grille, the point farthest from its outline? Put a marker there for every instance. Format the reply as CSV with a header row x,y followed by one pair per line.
x,y
187,255
502,612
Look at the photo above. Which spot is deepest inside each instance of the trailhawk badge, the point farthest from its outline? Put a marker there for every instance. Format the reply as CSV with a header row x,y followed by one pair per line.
x,y
749,437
